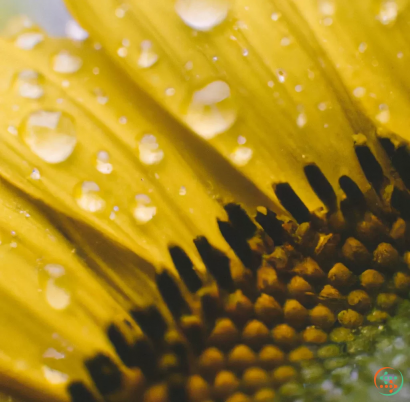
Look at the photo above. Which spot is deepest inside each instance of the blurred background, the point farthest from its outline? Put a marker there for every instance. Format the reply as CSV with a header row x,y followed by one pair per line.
x,y
50,14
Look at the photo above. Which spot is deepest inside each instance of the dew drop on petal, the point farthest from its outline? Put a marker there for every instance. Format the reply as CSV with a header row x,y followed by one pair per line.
x,y
74,31
103,164
12,130
362,47
57,296
144,211
384,115
29,85
35,174
212,110
241,156
388,12
66,63
54,376
301,120
275,16
149,152
202,15
281,74
122,52
182,190
28,40
88,196
50,135
101,96
241,140
359,92
147,56
327,8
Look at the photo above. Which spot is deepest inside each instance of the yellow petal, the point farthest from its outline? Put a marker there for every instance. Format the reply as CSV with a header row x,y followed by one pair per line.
x,y
89,146
248,81
53,310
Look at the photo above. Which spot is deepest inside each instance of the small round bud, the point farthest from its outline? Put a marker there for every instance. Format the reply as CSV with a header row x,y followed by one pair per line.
x,y
254,378
224,335
300,354
322,316
386,256
197,389
285,335
239,307
211,361
387,300
355,252
268,310
270,357
371,280
359,300
295,314
283,374
314,335
241,357
264,395
340,276
350,318
309,269
226,383
255,334
402,281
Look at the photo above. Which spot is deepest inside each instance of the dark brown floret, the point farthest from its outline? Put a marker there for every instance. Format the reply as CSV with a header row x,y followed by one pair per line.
x,y
295,314
309,269
372,280
241,357
224,335
271,356
255,334
359,300
350,318
268,310
284,335
322,317
385,256
340,276
226,383
239,307
355,253
254,378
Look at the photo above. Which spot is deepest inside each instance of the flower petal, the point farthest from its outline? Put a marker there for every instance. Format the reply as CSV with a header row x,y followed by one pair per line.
x,y
252,77
100,153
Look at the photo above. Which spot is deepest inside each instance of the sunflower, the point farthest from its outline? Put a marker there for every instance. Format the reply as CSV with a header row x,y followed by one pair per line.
x,y
205,201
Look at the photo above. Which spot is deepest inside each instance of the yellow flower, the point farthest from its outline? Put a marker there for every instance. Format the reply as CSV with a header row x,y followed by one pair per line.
x,y
205,200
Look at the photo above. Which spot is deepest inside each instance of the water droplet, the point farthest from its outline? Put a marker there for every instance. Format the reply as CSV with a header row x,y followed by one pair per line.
x,y
126,42
301,120
322,106
28,40
359,92
241,156
123,120
74,31
149,152
327,8
147,56
285,41
275,16
182,190
66,63
388,12
189,65
122,52
362,47
54,376
202,15
121,11
170,92
50,135
29,85
245,52
143,211
281,74
102,162
400,55
35,174
12,130
298,88
271,84
101,96
88,196
211,111
384,115
56,292
241,140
